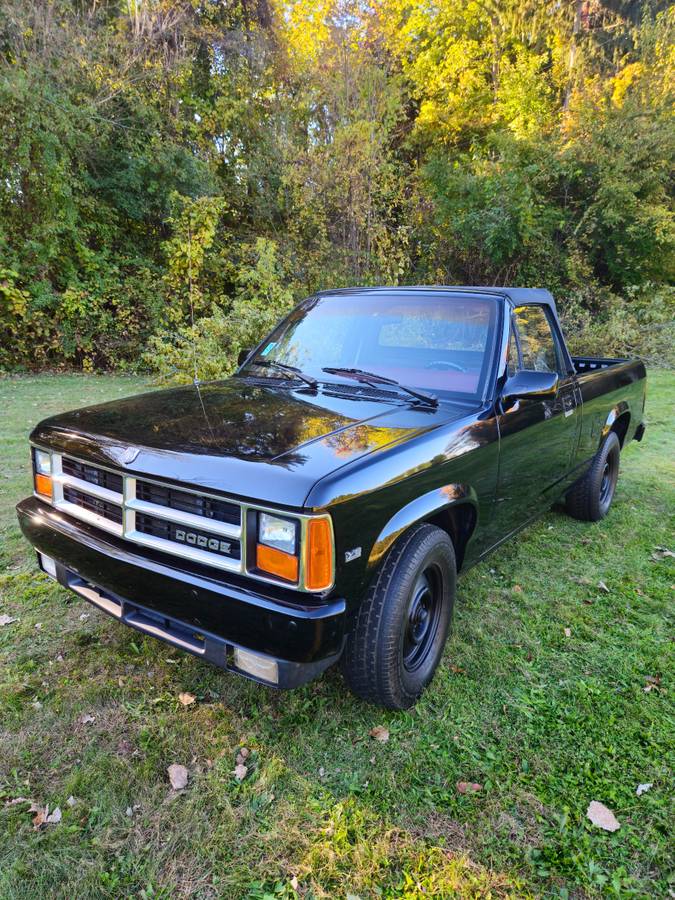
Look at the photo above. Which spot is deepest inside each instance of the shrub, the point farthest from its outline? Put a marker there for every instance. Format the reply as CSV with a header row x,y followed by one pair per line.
x,y
640,324
210,347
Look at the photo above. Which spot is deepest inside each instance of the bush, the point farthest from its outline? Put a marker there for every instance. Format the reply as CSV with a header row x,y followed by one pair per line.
x,y
640,324
210,347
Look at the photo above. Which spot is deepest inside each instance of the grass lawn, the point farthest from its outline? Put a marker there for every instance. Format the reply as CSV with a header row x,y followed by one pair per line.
x,y
545,719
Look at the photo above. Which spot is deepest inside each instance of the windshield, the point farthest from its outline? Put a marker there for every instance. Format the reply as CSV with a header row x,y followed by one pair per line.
x,y
439,342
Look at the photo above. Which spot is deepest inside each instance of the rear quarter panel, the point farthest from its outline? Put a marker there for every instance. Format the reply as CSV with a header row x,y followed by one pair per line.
x,y
607,394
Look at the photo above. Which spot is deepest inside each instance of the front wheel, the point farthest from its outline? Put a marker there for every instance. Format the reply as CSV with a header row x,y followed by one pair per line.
x,y
401,627
591,498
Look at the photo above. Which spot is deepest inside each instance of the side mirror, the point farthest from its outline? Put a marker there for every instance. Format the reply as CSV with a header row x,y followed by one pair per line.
x,y
531,386
243,356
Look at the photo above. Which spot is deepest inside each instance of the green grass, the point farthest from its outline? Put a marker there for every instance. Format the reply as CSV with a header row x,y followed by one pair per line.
x,y
545,722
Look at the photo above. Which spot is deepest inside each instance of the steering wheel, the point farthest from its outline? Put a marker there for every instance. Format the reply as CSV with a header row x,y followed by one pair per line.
x,y
444,364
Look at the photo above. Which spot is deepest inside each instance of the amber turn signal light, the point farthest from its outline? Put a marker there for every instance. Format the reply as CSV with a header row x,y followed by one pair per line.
x,y
276,562
43,485
319,558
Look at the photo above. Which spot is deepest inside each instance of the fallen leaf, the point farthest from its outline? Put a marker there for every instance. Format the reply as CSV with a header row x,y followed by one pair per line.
x,y
44,817
603,587
568,632
40,818
458,670
517,589
380,733
186,699
18,800
653,682
242,756
86,719
240,772
601,816
6,620
643,788
54,818
468,787
662,553
178,776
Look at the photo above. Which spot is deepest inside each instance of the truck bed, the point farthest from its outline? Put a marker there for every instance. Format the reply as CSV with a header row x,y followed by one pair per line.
x,y
583,364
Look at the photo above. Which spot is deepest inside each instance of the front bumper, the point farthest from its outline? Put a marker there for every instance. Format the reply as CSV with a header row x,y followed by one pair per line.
x,y
193,609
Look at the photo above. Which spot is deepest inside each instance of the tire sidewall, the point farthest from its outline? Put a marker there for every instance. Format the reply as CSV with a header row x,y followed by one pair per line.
x,y
434,548
610,449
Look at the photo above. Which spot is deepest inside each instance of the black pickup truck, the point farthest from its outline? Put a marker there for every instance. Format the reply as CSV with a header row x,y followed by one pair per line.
x,y
317,506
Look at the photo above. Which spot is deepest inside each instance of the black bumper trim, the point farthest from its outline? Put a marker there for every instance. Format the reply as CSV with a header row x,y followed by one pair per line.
x,y
180,634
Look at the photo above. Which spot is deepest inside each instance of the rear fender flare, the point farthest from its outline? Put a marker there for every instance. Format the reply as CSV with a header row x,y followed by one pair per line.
x,y
420,510
618,410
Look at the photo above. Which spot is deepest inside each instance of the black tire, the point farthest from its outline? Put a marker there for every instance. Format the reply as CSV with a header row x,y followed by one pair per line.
x,y
401,627
591,497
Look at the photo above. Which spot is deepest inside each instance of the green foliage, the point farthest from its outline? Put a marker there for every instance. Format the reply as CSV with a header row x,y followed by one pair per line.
x,y
209,348
641,324
168,162
13,304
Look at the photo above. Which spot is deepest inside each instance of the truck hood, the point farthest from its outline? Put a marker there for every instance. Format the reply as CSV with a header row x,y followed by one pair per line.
x,y
255,440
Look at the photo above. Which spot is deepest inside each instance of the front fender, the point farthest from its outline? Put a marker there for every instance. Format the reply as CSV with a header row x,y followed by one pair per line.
x,y
419,510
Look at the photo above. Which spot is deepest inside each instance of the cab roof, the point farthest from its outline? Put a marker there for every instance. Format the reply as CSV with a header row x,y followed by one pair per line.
x,y
516,295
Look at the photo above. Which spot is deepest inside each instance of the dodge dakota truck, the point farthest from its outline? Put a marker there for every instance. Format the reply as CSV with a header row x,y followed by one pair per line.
x,y
317,506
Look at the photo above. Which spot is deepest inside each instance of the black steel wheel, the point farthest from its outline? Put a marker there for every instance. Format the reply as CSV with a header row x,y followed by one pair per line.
x,y
591,497
401,627
424,616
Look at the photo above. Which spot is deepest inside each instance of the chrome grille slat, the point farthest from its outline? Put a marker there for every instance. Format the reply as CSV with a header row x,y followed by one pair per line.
x,y
80,512
192,553
88,487
183,518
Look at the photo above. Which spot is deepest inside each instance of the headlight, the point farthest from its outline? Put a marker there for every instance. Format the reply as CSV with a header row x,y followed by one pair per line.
x,y
43,462
278,550
42,473
277,547
278,533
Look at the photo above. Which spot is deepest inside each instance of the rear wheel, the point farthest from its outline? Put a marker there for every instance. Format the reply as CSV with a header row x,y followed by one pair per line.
x,y
591,498
401,627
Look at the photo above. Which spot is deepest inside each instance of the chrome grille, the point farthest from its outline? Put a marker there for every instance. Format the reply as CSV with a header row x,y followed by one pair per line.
x,y
195,526
179,521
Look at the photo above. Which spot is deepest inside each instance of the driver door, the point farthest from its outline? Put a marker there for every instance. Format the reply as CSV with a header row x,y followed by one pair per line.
x,y
538,436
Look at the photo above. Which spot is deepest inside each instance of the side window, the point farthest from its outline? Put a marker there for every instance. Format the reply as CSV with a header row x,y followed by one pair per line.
x,y
538,346
512,360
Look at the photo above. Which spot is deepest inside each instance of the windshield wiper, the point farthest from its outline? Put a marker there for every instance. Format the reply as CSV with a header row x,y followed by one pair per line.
x,y
373,378
291,370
